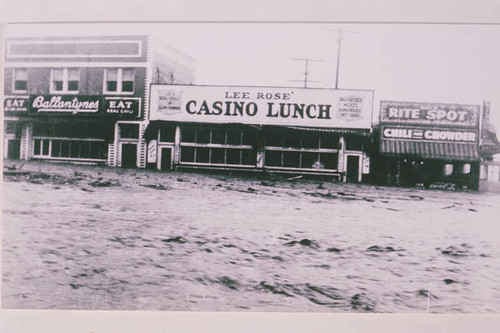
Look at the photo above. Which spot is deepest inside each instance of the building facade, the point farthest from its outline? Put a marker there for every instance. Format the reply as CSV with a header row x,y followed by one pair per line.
x,y
428,145
82,99
285,130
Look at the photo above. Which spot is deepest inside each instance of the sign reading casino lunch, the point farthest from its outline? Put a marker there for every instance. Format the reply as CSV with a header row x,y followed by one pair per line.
x,y
330,108
411,113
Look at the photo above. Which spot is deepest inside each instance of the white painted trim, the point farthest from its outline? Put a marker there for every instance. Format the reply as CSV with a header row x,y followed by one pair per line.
x,y
81,64
53,42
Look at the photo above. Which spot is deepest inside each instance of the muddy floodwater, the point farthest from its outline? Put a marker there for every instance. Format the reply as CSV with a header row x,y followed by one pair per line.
x,y
81,237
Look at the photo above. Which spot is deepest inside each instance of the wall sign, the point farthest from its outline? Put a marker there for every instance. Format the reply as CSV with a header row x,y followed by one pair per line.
x,y
75,106
328,108
429,134
412,113
16,104
65,104
129,107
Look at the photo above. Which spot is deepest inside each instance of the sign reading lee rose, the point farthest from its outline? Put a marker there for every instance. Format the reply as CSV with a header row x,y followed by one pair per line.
x,y
264,106
429,113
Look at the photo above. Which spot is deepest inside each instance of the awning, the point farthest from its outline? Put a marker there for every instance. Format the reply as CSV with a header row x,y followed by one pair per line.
x,y
431,150
362,132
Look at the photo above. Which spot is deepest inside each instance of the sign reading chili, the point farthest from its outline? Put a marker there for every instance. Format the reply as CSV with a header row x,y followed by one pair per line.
x,y
428,134
330,108
429,114
129,107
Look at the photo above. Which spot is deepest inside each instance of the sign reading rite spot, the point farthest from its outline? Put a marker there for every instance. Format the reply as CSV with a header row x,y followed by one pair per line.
x,y
329,108
429,114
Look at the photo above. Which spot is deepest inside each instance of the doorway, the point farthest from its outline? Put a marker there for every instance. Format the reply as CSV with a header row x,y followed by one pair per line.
x,y
129,155
352,170
13,149
166,159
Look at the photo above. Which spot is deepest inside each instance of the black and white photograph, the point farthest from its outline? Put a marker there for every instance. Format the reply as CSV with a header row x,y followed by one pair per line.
x,y
291,167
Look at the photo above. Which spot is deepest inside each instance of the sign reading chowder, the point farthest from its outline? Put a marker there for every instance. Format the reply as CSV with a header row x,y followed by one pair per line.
x,y
328,108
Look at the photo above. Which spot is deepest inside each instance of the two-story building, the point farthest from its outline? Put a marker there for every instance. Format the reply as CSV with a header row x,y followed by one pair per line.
x,y
84,99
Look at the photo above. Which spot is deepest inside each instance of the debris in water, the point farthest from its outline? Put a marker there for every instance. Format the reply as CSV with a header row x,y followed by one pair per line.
x,y
178,239
334,249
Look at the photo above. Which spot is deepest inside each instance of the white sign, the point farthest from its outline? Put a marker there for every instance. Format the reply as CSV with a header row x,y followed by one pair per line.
x,y
330,108
152,148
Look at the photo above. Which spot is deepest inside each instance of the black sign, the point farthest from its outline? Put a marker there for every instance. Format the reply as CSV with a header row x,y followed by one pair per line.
x,y
75,106
15,104
129,107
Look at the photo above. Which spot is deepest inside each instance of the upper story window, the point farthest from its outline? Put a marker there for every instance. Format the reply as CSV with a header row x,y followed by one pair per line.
x,y
20,81
65,80
119,80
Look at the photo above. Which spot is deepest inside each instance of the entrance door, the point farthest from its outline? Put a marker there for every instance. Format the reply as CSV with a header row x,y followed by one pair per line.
x,y
14,149
166,159
129,155
352,170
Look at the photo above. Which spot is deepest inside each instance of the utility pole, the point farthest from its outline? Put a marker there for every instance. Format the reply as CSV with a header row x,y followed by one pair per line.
x,y
306,72
338,53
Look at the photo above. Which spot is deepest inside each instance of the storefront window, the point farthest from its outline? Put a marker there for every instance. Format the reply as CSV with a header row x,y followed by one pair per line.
x,y
302,150
448,169
466,168
219,146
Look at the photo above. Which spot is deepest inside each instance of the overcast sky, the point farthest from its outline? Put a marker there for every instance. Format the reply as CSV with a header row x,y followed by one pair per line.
x,y
407,62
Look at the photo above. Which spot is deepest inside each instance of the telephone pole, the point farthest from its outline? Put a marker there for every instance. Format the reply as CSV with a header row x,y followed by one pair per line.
x,y
306,72
339,47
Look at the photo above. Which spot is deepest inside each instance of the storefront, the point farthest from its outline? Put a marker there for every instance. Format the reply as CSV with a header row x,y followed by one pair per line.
x,y
285,130
76,128
429,145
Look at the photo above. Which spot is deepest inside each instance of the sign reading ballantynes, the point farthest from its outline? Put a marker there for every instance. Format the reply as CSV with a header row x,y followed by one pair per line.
x,y
79,105
262,106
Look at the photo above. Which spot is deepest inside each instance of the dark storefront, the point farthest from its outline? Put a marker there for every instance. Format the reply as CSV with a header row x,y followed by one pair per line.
x,y
428,145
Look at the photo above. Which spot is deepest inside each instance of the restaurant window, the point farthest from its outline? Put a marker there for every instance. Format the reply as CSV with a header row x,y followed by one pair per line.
x,y
119,80
298,150
20,81
448,169
217,146
65,80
